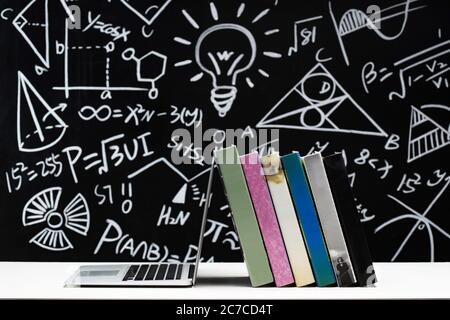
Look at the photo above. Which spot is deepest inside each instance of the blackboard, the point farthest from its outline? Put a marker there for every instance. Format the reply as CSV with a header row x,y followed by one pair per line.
x,y
91,93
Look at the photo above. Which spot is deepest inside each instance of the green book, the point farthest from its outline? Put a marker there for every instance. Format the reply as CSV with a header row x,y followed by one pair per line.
x,y
244,217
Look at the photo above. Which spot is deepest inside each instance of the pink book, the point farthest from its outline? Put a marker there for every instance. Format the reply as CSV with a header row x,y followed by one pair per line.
x,y
267,220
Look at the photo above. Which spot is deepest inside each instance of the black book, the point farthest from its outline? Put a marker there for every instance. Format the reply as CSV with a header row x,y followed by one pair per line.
x,y
349,218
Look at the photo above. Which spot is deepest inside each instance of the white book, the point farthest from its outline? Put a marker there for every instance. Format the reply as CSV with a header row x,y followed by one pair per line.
x,y
287,219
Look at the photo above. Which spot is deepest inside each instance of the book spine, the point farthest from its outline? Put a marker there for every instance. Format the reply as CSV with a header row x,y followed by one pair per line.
x,y
287,219
329,220
349,218
243,215
306,212
267,220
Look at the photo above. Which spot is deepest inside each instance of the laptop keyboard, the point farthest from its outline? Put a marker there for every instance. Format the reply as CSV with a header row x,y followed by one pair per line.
x,y
151,272
141,273
157,271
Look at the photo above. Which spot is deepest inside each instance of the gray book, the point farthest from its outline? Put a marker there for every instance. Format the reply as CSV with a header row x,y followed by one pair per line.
x,y
329,219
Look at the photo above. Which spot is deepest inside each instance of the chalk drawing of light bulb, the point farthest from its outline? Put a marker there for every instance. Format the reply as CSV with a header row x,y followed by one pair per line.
x,y
225,51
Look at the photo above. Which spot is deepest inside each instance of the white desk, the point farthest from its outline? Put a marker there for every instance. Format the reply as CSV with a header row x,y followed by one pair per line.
x,y
225,281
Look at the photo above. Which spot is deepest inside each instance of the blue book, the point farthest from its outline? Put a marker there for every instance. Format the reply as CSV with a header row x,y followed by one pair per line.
x,y
309,222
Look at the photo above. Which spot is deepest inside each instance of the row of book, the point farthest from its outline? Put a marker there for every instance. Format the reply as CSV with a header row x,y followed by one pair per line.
x,y
296,219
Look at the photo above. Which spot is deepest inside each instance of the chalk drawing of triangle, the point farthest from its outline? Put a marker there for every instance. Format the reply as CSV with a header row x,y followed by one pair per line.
x,y
148,14
180,197
425,135
32,24
39,127
318,102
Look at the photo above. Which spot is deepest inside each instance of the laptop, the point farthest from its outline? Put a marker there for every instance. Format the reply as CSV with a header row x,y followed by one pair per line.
x,y
147,274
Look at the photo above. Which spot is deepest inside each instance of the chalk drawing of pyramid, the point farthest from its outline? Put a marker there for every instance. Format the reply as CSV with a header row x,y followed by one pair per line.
x,y
319,103
425,134
32,24
39,127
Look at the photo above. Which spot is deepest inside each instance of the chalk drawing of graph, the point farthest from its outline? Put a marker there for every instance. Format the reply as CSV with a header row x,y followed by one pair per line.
x,y
44,210
104,51
423,222
355,20
39,126
426,135
319,103
32,24
147,13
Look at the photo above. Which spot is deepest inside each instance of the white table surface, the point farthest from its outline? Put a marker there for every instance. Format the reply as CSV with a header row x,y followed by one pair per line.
x,y
225,281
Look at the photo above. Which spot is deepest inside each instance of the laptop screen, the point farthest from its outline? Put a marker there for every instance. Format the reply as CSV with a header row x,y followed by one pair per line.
x,y
204,219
